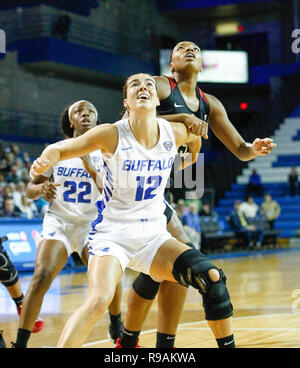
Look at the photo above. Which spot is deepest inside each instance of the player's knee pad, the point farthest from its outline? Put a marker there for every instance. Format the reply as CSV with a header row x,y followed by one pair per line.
x,y
192,268
8,272
145,286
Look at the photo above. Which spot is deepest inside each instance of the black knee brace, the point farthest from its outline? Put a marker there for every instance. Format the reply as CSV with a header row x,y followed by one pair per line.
x,y
145,286
8,273
191,268
191,245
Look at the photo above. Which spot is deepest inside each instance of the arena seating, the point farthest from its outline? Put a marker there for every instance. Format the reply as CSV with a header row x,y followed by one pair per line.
x,y
274,170
78,7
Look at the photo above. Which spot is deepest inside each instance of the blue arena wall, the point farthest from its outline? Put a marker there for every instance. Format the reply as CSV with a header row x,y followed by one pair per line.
x,y
196,4
57,51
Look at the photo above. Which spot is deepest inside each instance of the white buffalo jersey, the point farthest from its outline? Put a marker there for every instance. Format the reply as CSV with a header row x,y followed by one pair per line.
x,y
134,178
77,194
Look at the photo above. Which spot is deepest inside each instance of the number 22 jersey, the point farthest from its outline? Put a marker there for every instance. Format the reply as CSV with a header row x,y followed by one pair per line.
x,y
77,194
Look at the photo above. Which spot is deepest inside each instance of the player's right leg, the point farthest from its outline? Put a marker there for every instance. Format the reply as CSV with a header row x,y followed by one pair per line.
x,y
116,325
104,274
50,259
174,260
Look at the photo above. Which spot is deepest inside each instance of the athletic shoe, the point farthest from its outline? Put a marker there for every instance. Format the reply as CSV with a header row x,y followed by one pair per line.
x,y
118,344
38,324
115,332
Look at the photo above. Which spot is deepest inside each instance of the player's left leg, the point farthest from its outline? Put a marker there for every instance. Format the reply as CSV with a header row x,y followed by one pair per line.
x,y
171,296
174,261
10,279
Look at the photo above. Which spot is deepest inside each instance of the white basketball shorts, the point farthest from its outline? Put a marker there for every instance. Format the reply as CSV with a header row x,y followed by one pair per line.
x,y
134,244
73,235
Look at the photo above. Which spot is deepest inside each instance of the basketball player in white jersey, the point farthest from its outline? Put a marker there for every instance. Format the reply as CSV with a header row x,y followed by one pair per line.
x,y
74,198
138,155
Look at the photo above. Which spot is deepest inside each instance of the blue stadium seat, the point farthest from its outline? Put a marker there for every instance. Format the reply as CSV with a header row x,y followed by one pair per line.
x,y
289,219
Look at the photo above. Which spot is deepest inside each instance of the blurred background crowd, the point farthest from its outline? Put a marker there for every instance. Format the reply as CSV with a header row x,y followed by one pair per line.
x,y
14,176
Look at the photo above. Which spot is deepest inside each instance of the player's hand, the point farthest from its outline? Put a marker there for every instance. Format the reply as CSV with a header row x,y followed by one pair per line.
x,y
38,167
196,125
263,147
48,190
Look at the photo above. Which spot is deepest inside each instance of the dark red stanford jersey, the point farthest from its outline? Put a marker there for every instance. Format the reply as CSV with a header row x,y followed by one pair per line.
x,y
175,104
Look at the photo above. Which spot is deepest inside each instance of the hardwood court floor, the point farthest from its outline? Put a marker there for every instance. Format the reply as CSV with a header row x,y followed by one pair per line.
x,y
265,293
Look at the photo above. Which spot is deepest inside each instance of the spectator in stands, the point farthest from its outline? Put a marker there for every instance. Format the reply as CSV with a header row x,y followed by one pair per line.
x,y
26,157
62,26
2,180
209,224
1,198
206,210
3,165
193,198
181,208
18,193
15,149
254,186
6,163
10,160
20,166
27,165
12,176
25,175
42,206
7,193
10,187
271,210
241,227
250,209
10,210
293,181
28,207
191,223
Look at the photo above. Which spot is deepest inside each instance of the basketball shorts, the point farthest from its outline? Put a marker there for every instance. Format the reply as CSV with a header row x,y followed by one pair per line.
x,y
134,244
168,211
73,235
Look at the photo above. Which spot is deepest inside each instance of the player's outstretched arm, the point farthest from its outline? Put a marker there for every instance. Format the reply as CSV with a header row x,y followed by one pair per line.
x,y
226,132
104,137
